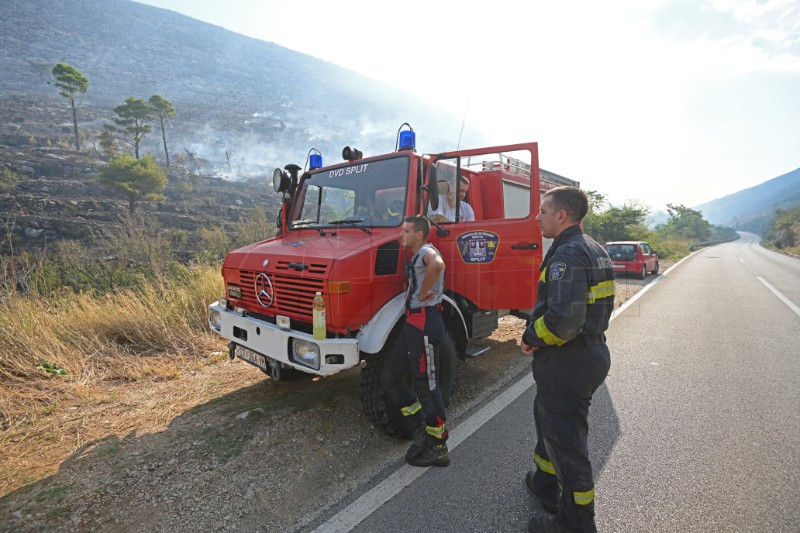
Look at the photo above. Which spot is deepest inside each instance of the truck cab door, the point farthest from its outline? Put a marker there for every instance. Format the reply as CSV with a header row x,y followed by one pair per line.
x,y
487,232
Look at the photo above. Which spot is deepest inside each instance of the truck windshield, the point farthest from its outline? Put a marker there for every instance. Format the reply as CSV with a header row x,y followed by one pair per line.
x,y
364,193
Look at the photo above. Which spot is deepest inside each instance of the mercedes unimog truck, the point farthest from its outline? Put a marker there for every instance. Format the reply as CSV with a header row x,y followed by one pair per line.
x,y
339,235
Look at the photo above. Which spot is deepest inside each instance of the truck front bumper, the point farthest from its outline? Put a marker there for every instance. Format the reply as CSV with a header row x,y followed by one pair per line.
x,y
286,347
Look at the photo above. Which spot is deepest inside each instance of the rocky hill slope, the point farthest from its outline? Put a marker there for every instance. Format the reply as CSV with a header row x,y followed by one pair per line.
x,y
54,196
260,103
244,107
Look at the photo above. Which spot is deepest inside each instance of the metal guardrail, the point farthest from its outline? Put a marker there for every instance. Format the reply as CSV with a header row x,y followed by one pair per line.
x,y
702,244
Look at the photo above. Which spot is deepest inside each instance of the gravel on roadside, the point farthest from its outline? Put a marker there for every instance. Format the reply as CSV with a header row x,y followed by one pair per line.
x,y
270,456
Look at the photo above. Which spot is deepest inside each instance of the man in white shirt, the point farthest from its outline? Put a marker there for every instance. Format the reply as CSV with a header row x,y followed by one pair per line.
x,y
447,205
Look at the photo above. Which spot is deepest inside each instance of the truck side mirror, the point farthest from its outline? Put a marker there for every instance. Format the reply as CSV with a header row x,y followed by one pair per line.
x,y
432,188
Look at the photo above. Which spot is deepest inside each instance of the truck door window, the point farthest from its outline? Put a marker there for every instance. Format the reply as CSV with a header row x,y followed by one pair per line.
x,y
497,187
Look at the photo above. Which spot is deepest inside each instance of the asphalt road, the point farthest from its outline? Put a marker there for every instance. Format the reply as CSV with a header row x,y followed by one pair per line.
x,y
697,427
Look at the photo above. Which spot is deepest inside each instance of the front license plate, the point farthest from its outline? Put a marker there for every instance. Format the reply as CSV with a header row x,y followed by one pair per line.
x,y
618,267
255,359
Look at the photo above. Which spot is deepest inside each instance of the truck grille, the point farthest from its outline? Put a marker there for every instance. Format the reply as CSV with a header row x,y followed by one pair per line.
x,y
293,295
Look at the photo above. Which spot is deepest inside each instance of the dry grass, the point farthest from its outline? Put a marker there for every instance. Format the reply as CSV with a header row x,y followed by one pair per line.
x,y
791,250
76,367
134,361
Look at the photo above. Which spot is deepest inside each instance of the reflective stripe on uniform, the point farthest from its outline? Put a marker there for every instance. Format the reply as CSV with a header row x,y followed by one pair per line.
x,y
544,272
436,431
543,464
545,334
411,409
430,369
604,289
584,498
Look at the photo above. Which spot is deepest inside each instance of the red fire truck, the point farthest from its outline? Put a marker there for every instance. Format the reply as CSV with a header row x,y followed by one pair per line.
x,y
339,234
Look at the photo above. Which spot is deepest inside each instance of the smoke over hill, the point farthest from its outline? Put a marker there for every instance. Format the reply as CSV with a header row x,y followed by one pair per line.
x,y
243,104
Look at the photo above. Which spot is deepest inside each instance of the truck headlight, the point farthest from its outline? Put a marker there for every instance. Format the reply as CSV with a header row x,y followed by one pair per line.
x,y
215,319
305,353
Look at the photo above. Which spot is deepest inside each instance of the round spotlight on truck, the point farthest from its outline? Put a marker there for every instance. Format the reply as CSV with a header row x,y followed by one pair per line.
x,y
280,181
351,154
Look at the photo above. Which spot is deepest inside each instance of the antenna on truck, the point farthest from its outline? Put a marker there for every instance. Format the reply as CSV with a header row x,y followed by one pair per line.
x,y
464,119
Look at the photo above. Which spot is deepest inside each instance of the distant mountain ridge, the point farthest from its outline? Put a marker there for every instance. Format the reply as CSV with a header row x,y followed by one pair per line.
x,y
752,207
234,94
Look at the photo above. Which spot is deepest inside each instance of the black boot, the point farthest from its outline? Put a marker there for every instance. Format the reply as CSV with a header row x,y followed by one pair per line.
x,y
548,499
545,524
431,455
418,437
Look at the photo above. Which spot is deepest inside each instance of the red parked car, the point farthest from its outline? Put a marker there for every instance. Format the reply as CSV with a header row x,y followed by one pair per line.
x,y
633,257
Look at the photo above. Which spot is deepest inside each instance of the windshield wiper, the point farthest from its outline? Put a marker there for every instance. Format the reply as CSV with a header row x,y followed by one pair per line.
x,y
305,224
352,221
301,223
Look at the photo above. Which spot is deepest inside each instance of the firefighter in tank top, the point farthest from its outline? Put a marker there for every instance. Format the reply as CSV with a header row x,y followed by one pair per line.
x,y
417,351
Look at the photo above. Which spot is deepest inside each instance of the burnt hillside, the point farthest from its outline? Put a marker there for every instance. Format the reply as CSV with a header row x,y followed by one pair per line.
x,y
232,93
244,107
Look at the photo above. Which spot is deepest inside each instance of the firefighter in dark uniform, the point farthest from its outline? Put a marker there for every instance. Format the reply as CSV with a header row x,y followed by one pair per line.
x,y
575,297
417,351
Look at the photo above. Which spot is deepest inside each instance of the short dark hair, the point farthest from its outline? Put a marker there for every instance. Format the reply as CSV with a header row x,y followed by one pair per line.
x,y
420,224
570,199
463,179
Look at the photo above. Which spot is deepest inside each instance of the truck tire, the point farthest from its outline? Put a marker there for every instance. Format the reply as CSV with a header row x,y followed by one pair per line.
x,y
384,414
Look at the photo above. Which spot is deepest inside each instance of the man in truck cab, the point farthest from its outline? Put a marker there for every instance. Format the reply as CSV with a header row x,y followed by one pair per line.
x,y
447,203
417,350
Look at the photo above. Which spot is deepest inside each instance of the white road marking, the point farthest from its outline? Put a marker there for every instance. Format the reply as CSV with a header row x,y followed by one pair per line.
x,y
372,500
639,294
369,502
777,293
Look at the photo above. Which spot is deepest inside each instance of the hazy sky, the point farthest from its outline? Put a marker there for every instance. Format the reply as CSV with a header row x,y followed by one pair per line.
x,y
676,101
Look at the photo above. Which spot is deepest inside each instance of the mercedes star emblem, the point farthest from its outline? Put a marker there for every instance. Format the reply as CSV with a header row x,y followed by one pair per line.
x,y
264,291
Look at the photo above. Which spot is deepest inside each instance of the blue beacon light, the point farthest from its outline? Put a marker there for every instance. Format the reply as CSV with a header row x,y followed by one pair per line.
x,y
408,140
315,161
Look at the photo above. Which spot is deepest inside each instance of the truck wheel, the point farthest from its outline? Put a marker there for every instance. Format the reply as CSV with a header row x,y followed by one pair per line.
x,y
379,408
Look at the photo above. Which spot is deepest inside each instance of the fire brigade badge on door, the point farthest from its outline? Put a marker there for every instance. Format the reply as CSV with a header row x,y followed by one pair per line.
x,y
478,246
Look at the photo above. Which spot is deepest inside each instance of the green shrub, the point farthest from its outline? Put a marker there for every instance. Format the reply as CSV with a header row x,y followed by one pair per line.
x,y
184,186
252,227
668,248
7,179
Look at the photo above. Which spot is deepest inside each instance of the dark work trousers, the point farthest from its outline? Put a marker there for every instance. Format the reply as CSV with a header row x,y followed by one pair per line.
x,y
566,377
410,356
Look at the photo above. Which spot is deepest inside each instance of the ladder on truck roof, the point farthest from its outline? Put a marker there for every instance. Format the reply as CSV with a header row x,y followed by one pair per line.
x,y
517,166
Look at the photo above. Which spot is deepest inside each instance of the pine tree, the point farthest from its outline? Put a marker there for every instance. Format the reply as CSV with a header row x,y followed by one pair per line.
x,y
70,81
164,110
107,140
134,116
